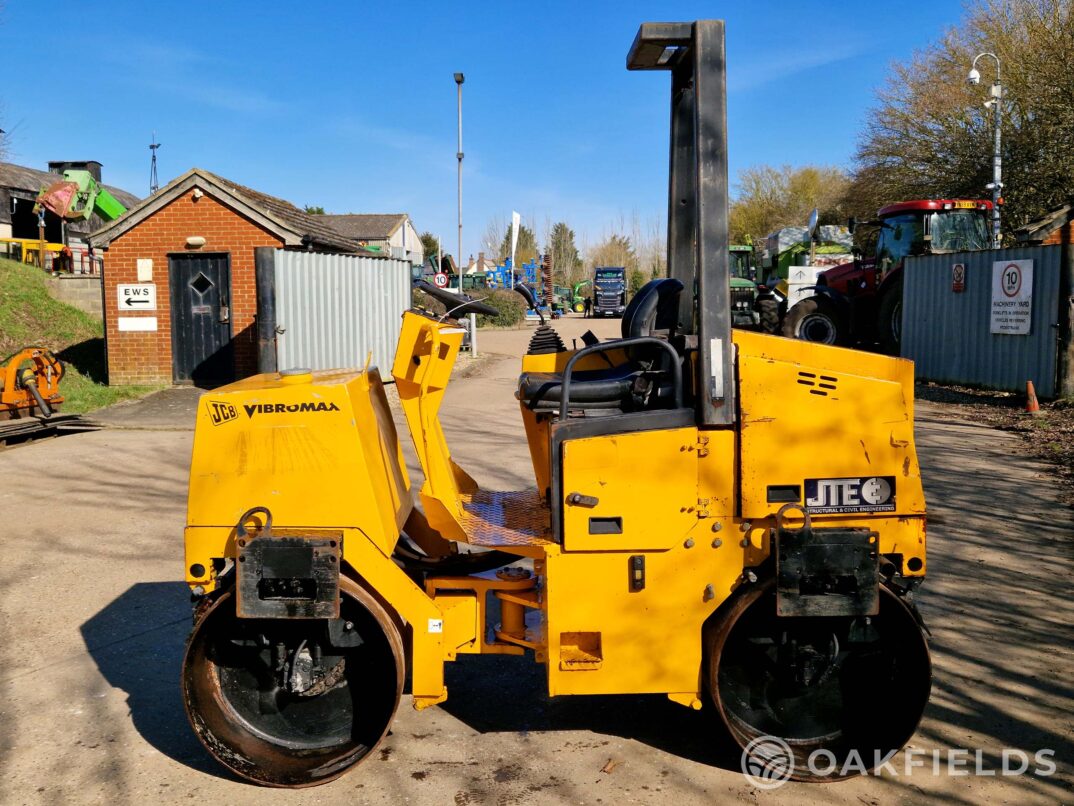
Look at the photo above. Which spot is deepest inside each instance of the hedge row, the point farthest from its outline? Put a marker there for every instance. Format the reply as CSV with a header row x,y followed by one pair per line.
x,y
512,310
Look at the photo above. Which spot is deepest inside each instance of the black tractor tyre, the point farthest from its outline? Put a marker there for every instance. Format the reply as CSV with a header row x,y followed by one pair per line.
x,y
889,319
768,310
817,320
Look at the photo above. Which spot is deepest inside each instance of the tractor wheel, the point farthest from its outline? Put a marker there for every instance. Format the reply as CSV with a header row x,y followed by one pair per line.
x,y
815,319
579,307
293,702
842,691
768,309
889,319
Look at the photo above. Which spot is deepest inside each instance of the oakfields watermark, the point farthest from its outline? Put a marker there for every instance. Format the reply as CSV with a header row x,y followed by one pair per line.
x,y
768,763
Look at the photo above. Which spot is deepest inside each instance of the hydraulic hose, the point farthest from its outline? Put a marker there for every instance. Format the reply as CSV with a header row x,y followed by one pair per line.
x,y
29,383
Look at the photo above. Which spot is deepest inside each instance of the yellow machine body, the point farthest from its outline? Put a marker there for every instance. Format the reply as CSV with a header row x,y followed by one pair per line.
x,y
318,449
716,515
321,452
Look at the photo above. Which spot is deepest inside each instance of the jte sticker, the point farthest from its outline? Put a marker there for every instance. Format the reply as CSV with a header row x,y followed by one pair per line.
x,y
834,496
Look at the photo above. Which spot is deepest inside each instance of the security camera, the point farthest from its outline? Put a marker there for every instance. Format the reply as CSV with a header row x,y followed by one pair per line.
x,y
974,77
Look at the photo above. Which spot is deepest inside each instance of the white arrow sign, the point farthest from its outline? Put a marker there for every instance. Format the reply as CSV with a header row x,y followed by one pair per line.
x,y
137,297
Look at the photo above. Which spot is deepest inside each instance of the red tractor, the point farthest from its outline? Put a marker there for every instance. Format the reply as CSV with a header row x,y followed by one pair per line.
x,y
861,302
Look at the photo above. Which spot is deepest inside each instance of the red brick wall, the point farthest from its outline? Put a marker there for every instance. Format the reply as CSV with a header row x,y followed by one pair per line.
x,y
1060,236
146,357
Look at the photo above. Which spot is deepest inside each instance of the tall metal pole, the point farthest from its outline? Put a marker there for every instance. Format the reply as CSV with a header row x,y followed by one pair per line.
x,y
154,185
996,185
997,160
459,78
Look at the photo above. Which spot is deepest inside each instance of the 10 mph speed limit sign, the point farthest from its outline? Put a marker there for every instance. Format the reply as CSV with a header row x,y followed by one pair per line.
x,y
1012,297
440,280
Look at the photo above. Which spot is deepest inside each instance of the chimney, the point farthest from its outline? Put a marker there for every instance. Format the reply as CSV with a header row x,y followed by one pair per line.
x,y
480,262
94,167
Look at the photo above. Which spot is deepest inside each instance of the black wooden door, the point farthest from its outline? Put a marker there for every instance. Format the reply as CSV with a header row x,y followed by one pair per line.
x,y
201,318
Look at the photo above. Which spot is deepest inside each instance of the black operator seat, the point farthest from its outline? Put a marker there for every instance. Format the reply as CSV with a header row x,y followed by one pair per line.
x,y
643,381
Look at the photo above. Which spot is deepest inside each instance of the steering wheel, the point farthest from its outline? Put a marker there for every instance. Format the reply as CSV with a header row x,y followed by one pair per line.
x,y
457,304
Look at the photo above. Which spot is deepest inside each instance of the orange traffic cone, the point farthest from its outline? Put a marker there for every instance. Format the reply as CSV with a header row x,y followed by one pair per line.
x,y
1032,406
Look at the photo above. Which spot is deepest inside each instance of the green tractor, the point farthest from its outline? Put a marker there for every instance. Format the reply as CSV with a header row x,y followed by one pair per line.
x,y
570,298
744,311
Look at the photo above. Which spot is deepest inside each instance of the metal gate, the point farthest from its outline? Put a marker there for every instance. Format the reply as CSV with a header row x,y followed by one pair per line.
x,y
200,287
325,311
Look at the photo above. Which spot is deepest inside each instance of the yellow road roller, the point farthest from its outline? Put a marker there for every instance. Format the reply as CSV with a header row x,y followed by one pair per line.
x,y
733,520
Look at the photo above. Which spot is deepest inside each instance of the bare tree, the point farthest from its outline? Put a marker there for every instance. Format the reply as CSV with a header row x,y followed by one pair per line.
x,y
492,240
769,198
615,250
652,247
931,136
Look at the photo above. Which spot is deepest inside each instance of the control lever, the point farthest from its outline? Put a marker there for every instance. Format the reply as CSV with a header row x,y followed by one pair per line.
x,y
531,301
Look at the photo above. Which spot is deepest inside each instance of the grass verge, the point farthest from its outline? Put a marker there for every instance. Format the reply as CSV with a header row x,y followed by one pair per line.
x,y
30,317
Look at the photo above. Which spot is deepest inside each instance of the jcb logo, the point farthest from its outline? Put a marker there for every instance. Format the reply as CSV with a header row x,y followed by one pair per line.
x,y
221,412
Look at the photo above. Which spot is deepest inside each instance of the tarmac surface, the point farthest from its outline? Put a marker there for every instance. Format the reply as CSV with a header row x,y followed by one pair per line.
x,y
93,618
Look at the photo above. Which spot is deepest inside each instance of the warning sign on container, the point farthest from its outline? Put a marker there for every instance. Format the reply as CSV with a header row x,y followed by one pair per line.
x,y
958,277
1012,297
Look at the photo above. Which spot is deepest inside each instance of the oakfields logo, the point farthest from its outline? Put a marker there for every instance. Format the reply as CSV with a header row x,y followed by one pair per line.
x,y
221,412
768,763
281,408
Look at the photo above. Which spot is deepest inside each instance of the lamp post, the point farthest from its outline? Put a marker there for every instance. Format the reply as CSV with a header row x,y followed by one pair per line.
x,y
459,78
996,185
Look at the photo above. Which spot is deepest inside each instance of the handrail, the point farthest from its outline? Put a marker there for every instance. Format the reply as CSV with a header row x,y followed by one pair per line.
x,y
565,386
423,384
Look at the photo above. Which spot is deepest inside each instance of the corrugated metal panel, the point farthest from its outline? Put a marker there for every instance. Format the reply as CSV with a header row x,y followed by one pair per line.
x,y
335,309
947,333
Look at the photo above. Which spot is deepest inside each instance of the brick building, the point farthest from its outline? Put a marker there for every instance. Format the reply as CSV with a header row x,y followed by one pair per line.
x,y
1053,228
179,289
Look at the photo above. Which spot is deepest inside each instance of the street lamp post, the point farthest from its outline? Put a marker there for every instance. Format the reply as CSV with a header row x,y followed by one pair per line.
x,y
459,78
996,184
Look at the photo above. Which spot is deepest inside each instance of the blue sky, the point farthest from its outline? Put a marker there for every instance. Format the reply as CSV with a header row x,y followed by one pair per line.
x,y
351,105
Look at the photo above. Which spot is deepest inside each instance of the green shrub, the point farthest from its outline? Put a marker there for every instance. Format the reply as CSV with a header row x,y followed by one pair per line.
x,y
511,307
512,310
419,299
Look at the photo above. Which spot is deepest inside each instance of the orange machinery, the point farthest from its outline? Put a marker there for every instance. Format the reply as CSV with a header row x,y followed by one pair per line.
x,y
30,384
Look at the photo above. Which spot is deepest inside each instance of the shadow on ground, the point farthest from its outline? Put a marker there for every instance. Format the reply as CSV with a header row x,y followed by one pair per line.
x,y
174,408
496,694
87,357
137,642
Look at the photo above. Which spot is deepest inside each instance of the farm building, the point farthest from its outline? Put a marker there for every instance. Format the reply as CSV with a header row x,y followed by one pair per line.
x,y
179,280
392,233
19,187
1052,228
